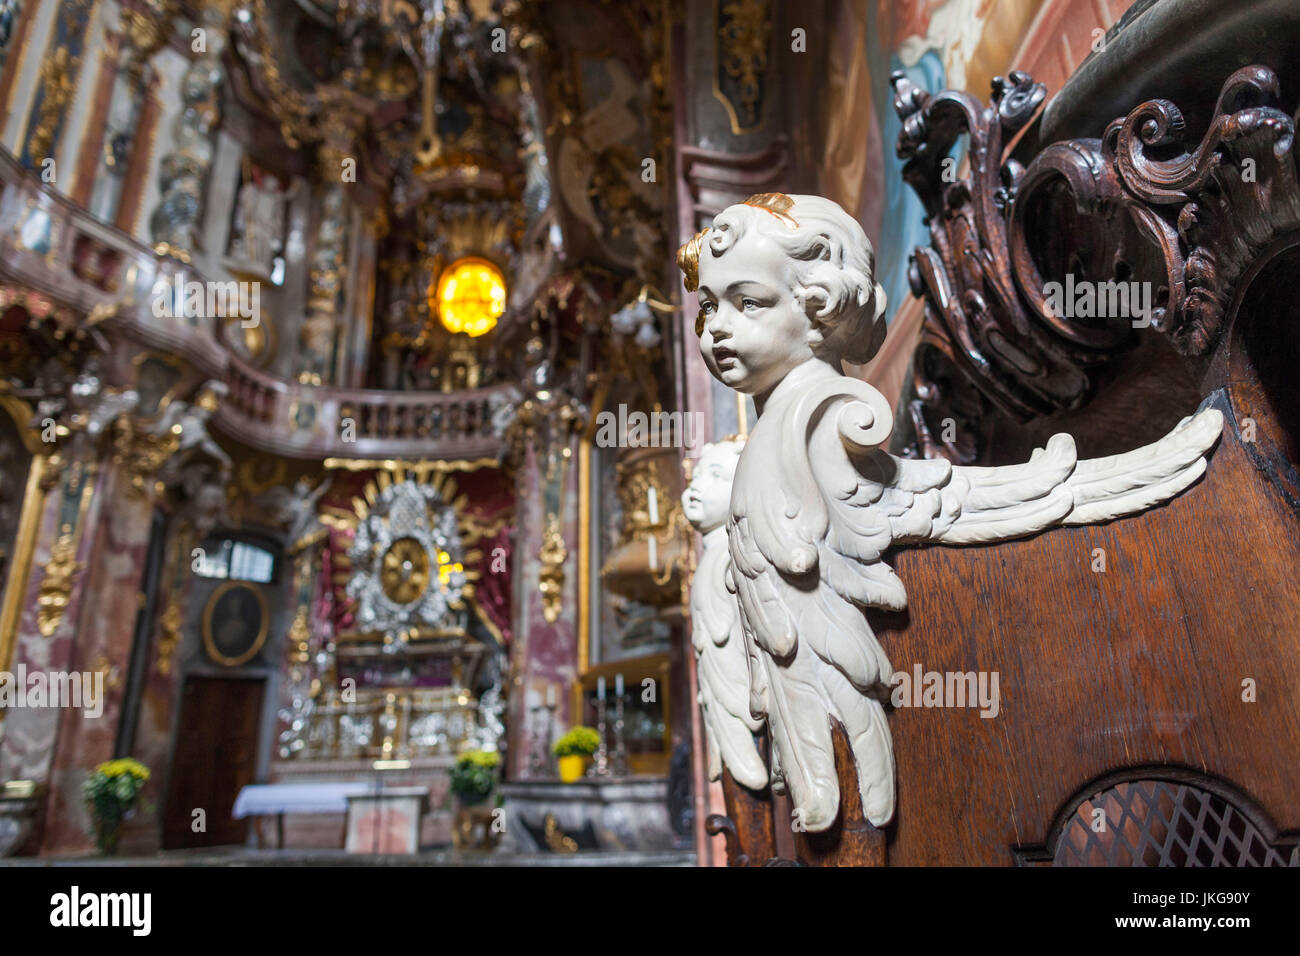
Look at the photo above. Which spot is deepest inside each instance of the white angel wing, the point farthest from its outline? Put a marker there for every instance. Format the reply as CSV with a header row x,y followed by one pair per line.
x,y
815,508
1105,488
996,504
723,672
806,541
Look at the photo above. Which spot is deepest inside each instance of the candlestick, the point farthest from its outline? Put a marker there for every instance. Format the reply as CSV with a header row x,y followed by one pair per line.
x,y
548,756
600,762
536,759
619,763
600,688
550,695
653,544
618,684
654,506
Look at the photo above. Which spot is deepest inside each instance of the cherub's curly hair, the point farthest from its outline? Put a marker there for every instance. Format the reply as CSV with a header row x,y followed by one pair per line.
x,y
834,266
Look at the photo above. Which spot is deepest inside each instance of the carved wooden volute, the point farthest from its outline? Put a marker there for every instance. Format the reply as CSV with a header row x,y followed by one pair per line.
x,y
1145,212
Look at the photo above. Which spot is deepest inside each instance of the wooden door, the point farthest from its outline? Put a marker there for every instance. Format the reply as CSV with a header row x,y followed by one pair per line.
x,y
216,755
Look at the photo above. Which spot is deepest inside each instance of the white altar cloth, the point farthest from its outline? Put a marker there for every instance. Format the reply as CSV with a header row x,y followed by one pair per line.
x,y
264,799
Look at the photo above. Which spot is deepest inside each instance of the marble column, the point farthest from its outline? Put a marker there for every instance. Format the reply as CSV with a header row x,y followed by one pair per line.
x,y
545,653
47,626
110,598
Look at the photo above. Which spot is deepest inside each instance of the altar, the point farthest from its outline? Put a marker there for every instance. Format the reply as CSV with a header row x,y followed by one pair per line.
x,y
278,799
547,816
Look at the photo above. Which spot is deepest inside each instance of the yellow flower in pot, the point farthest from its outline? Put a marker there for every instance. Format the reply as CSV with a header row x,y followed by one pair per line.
x,y
110,792
573,750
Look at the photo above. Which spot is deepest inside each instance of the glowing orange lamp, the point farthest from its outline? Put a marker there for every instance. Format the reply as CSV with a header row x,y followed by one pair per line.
x,y
470,297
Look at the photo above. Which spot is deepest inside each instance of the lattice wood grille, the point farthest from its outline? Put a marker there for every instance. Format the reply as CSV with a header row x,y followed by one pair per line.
x,y
1162,823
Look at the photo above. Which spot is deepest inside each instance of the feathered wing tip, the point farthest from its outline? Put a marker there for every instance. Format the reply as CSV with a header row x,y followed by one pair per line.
x,y
998,504
805,695
724,699
732,744
1105,488
722,669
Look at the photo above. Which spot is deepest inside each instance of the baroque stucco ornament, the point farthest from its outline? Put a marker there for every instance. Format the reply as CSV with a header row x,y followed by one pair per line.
x,y
786,292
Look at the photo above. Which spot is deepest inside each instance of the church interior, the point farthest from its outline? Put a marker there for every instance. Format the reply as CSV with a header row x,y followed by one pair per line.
x,y
363,438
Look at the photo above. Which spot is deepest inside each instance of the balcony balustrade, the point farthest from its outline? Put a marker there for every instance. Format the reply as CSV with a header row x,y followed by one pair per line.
x,y
52,246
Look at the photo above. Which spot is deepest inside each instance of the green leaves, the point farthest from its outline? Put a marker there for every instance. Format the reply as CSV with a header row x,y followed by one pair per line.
x,y
110,791
473,777
579,741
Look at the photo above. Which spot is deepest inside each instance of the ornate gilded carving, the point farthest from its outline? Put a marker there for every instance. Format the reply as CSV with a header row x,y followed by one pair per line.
x,y
556,839
172,619
475,829
144,27
169,635
744,27
57,73
142,454
408,558
56,587
550,576
112,673
291,108
645,563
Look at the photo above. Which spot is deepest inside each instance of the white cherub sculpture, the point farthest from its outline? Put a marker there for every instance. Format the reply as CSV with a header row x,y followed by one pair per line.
x,y
261,206
786,292
189,422
715,624
295,508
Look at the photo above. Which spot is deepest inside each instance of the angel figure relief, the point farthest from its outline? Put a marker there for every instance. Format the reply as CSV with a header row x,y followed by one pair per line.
x,y
786,291
715,624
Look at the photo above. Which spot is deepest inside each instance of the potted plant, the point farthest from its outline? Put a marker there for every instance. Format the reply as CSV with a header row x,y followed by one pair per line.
x,y
574,749
473,777
110,793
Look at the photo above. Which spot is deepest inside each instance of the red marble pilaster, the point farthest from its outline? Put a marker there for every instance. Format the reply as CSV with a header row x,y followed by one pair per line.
x,y
544,654
32,733
111,597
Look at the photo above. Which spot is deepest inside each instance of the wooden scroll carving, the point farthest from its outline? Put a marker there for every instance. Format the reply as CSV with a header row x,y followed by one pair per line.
x,y
1143,209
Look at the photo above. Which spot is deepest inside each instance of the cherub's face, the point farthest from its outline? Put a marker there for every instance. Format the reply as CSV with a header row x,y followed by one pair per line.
x,y
754,331
707,499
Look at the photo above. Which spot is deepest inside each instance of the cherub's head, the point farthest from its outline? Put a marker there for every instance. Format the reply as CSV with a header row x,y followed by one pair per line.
x,y
210,395
707,499
782,279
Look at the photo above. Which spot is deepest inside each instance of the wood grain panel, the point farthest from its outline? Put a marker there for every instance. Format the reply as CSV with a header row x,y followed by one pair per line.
x,y
1140,665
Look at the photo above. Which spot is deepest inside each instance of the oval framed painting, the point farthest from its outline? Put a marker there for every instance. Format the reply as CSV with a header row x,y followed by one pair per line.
x,y
235,623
